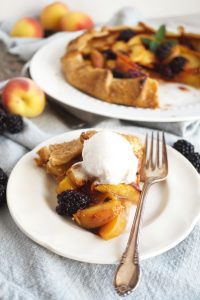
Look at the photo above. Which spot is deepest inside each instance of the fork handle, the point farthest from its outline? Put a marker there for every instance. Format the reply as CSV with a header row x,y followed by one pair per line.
x,y
128,272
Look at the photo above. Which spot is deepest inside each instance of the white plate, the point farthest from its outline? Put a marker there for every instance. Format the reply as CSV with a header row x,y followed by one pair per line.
x,y
172,209
45,69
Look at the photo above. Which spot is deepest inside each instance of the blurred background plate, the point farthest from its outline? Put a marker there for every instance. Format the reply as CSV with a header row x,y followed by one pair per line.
x,y
177,103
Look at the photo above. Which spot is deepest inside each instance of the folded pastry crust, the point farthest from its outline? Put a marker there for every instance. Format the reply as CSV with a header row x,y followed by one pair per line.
x,y
58,158
100,83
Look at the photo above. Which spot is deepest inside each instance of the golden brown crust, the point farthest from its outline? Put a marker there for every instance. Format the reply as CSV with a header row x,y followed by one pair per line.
x,y
100,83
57,158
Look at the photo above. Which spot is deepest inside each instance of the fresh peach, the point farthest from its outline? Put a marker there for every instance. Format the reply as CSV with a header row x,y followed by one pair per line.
x,y
52,14
27,27
74,21
23,97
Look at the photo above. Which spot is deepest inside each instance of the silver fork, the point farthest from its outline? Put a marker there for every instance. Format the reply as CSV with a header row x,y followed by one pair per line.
x,y
154,169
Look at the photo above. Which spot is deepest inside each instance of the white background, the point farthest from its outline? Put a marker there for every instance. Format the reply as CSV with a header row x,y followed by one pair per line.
x,y
101,10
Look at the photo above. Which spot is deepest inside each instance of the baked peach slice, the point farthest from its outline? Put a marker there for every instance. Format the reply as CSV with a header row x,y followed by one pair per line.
x,y
139,54
113,228
122,190
99,214
97,59
120,46
66,184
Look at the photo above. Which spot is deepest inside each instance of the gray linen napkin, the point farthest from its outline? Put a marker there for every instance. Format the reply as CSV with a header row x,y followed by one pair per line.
x,y
28,271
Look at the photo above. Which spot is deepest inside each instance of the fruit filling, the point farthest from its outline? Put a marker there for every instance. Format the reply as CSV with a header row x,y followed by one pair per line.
x,y
130,54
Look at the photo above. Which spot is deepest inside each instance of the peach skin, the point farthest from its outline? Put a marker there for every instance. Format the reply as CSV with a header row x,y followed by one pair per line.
x,y
23,97
27,27
52,14
74,21
113,228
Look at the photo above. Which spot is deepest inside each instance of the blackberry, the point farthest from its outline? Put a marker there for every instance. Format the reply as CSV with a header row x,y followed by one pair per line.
x,y
117,73
2,194
3,177
126,75
194,158
14,123
164,50
125,35
184,147
165,71
133,74
2,121
69,202
177,64
109,54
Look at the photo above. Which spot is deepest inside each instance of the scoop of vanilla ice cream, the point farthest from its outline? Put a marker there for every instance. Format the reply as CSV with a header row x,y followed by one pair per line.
x,y
108,158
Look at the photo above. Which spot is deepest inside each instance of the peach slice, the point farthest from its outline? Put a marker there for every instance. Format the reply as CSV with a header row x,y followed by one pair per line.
x,y
97,59
120,46
113,228
99,214
65,185
142,56
124,63
122,190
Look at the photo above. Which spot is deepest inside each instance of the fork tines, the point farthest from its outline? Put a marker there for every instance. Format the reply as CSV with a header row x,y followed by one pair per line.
x,y
155,151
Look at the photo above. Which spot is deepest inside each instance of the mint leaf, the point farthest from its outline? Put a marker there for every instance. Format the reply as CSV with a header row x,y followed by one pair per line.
x,y
146,41
160,33
153,46
158,38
